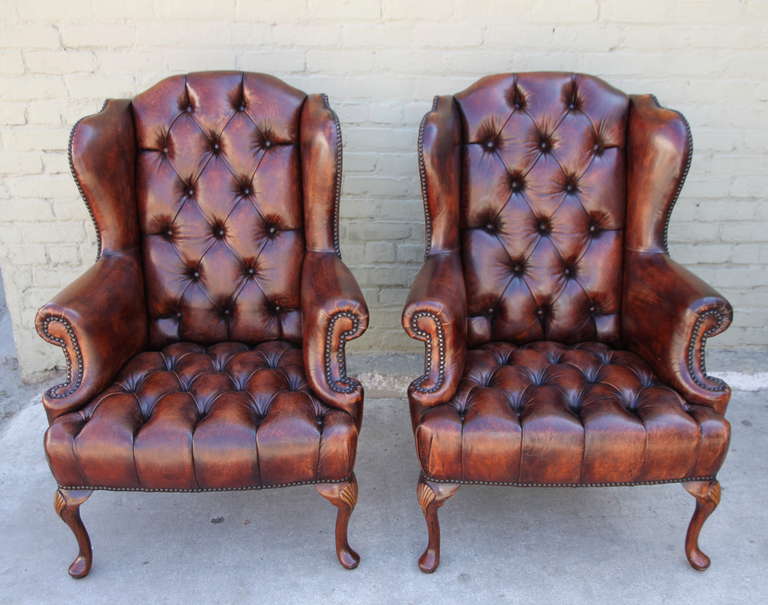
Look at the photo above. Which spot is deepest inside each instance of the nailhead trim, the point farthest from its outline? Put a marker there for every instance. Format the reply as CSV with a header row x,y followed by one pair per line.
x,y
427,337
423,179
598,484
205,489
696,361
77,179
344,384
337,195
683,175
74,371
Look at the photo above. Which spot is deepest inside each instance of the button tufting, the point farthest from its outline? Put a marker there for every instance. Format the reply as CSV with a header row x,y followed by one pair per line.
x,y
251,271
592,308
489,227
272,230
242,107
540,312
516,185
489,145
267,143
545,145
570,187
593,228
189,109
490,311
190,192
247,191
517,268
277,308
196,274
543,227
178,314
165,150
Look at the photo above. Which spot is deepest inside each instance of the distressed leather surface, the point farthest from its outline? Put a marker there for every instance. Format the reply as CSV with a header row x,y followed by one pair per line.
x,y
577,349
202,348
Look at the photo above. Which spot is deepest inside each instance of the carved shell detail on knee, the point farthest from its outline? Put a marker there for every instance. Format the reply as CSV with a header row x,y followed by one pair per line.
x,y
348,494
425,495
59,502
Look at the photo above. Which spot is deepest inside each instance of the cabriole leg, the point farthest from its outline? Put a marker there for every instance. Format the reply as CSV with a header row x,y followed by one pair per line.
x,y
344,497
707,494
432,496
67,504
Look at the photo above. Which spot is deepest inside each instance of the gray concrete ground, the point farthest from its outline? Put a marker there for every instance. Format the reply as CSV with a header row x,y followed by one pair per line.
x,y
599,545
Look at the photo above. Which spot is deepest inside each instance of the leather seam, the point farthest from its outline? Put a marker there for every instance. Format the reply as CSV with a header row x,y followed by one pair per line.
x,y
427,338
565,484
683,174
79,184
344,383
74,371
339,160
423,178
257,486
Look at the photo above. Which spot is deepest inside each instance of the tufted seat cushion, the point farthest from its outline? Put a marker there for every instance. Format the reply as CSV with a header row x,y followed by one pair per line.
x,y
195,417
549,413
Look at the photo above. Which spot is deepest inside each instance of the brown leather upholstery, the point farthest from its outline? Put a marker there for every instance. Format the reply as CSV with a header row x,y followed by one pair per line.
x,y
190,416
546,412
563,345
205,349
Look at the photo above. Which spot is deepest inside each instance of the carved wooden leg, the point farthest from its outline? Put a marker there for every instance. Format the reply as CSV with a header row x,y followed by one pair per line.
x,y
432,496
67,504
707,494
344,497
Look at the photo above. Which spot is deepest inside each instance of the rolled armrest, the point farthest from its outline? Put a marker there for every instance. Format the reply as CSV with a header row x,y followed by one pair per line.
x,y
435,313
333,312
668,315
99,320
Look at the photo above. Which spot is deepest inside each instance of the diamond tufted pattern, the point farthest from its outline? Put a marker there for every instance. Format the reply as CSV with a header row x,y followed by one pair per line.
x,y
545,412
543,208
191,417
220,207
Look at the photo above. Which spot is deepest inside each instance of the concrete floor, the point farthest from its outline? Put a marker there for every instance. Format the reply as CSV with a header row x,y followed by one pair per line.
x,y
599,545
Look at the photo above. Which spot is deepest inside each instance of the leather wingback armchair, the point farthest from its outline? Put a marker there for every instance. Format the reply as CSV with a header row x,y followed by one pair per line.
x,y
205,348
564,347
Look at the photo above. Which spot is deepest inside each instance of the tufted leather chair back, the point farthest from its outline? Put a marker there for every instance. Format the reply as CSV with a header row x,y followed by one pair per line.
x,y
219,193
543,207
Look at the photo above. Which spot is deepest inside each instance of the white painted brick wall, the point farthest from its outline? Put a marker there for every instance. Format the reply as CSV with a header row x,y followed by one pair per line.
x,y
381,61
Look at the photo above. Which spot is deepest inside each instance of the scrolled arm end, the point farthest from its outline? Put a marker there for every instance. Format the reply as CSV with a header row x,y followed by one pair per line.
x,y
56,329
435,314
99,321
333,313
341,327
669,314
710,321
